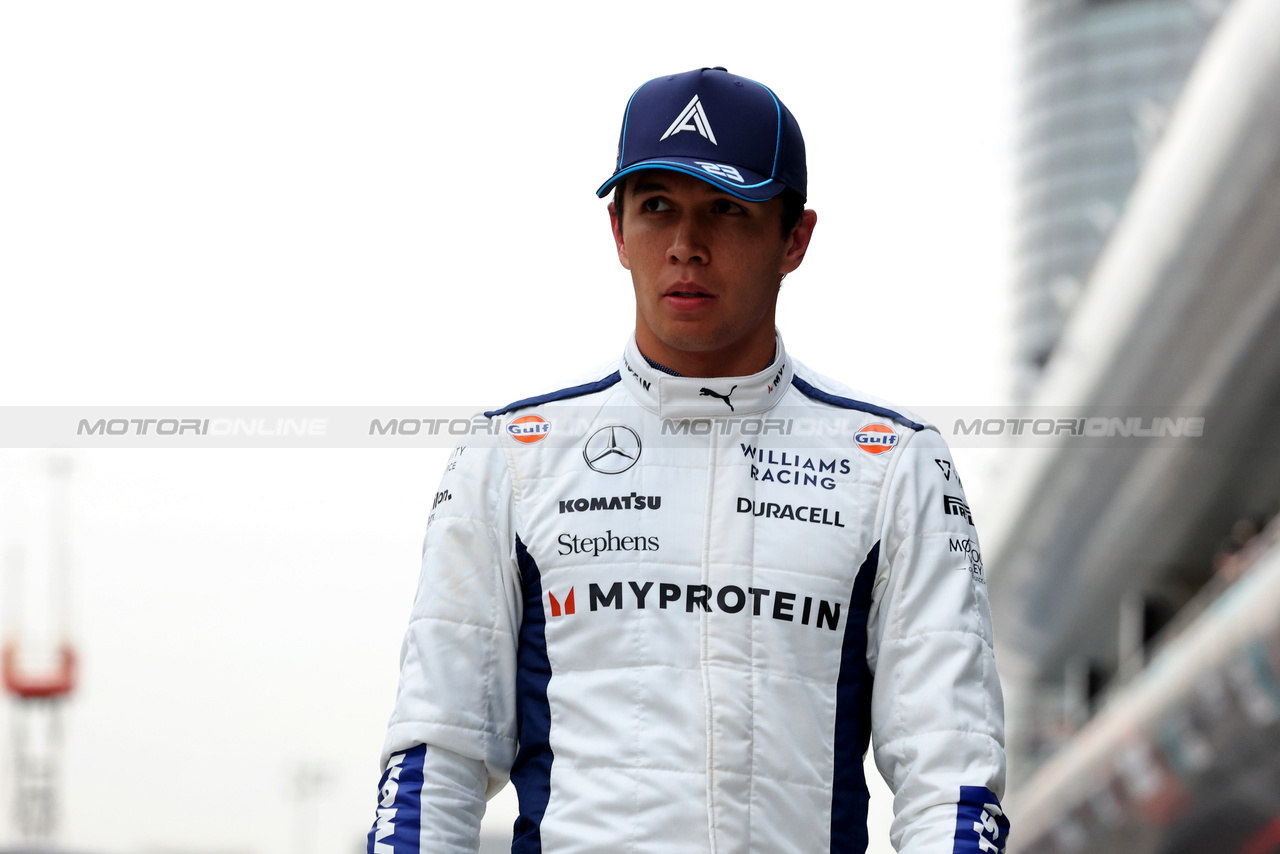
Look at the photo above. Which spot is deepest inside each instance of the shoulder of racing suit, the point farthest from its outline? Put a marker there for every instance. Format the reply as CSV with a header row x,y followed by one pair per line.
x,y
823,389
595,381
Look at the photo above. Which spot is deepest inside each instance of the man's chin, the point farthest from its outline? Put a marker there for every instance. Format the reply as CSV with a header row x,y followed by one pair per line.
x,y
694,341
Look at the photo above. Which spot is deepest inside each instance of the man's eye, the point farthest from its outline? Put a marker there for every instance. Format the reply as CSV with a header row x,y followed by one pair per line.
x,y
724,206
654,205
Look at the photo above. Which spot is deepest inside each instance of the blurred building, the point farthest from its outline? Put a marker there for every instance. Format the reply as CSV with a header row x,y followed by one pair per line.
x,y
1099,80
1135,572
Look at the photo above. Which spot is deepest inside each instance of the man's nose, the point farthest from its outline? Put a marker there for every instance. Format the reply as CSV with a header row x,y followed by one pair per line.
x,y
688,244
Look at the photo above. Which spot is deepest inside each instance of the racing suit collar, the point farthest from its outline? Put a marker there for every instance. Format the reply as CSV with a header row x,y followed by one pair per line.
x,y
701,397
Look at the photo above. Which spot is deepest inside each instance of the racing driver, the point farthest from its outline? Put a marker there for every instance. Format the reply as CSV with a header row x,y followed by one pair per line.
x,y
675,603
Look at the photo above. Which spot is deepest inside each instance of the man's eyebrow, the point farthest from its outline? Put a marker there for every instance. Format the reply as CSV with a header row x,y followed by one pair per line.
x,y
650,185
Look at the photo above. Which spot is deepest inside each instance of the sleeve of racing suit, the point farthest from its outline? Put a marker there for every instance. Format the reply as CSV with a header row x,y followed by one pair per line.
x,y
937,713
451,739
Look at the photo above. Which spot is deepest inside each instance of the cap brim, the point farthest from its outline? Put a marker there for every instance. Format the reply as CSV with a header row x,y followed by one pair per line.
x,y
752,188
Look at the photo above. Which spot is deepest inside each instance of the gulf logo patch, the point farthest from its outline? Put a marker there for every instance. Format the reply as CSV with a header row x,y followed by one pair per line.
x,y
529,429
876,439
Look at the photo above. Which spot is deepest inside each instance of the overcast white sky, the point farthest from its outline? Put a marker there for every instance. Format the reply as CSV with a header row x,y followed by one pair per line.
x,y
336,204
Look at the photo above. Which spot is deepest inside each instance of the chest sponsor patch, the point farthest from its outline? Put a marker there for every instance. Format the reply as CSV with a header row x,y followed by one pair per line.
x,y
571,544
634,501
781,605
612,449
772,466
876,439
529,429
797,513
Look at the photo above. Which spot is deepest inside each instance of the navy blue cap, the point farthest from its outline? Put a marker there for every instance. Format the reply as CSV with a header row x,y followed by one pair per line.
x,y
727,130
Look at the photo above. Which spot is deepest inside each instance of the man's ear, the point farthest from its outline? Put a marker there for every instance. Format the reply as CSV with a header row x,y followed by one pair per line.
x,y
616,224
798,241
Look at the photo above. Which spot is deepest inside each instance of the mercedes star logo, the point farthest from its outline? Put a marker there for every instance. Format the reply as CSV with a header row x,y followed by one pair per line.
x,y
612,450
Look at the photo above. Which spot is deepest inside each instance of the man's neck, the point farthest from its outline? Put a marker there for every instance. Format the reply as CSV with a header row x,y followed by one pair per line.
x,y
739,362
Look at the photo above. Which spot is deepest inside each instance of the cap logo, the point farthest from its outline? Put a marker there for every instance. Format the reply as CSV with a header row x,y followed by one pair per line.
x,y
722,170
692,117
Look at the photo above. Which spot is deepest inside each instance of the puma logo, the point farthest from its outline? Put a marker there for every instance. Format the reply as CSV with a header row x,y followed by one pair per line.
x,y
706,392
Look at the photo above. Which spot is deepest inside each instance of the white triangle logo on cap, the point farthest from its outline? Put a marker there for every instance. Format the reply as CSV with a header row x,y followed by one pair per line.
x,y
692,117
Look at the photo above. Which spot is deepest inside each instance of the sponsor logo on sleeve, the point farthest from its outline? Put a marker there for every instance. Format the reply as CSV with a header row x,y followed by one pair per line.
x,y
876,438
398,823
981,826
441,497
953,506
948,470
529,429
970,549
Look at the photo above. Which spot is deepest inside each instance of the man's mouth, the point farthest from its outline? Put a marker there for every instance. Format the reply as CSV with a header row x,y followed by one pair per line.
x,y
687,298
686,290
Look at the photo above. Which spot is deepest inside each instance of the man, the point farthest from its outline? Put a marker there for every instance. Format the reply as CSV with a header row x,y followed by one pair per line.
x,y
673,603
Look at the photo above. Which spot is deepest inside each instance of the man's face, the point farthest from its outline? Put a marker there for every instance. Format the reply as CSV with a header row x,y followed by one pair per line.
x,y
706,268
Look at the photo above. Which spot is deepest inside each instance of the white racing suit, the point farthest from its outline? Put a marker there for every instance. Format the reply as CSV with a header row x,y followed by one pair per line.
x,y
674,610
